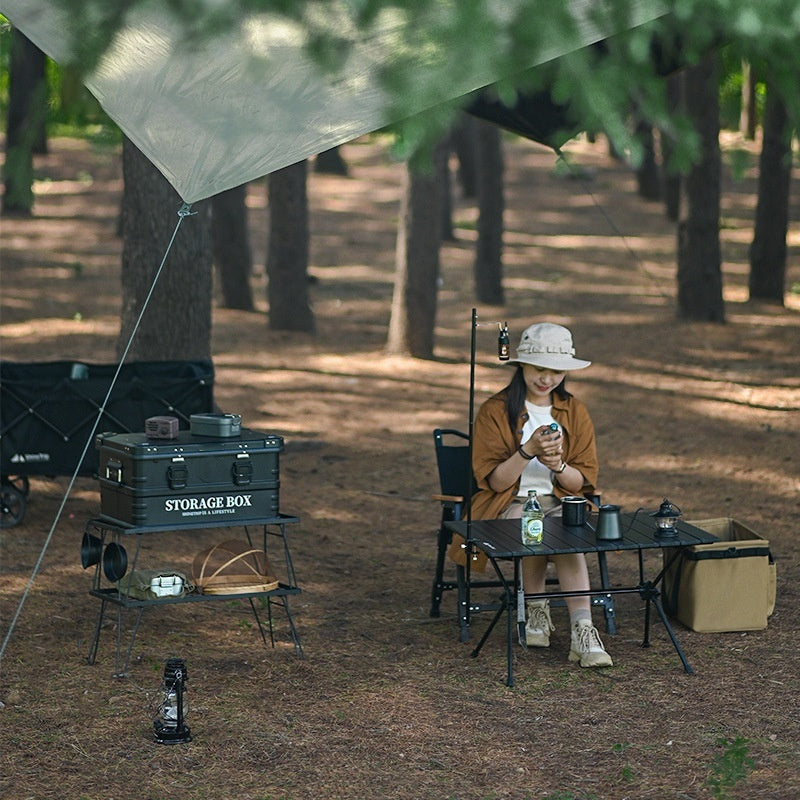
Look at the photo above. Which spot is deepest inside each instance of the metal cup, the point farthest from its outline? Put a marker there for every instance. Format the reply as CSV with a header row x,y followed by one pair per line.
x,y
573,511
608,523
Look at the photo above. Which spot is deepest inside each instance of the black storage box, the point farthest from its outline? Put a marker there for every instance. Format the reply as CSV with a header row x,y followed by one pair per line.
x,y
190,480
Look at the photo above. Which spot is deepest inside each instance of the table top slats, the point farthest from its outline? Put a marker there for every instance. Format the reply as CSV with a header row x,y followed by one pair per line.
x,y
501,538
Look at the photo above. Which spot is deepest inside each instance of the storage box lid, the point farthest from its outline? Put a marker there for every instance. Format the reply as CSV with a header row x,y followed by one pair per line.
x,y
186,442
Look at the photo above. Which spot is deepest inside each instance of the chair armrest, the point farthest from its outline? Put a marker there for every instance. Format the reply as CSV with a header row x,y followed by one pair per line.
x,y
448,498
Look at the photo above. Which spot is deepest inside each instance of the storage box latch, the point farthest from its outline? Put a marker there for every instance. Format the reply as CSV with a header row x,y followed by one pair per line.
x,y
177,475
114,471
242,470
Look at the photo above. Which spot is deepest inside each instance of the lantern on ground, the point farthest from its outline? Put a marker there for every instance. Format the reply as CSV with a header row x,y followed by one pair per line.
x,y
170,722
666,519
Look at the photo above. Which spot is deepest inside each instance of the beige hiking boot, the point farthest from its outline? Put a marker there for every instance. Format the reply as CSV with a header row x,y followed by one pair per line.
x,y
538,624
586,646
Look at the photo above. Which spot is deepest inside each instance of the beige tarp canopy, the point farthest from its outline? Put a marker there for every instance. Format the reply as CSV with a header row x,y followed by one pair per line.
x,y
246,103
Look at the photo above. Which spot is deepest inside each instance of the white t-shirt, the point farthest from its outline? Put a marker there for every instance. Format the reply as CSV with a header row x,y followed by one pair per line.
x,y
535,475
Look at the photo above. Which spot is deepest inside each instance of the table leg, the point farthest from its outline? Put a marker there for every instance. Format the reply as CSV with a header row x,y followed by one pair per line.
x,y
606,600
650,593
139,611
657,603
520,604
92,657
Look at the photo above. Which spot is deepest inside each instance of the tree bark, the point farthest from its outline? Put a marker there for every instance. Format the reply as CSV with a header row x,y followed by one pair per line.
x,y
488,267
231,247
465,148
287,251
672,178
413,317
25,118
648,177
177,321
699,254
768,249
747,116
331,162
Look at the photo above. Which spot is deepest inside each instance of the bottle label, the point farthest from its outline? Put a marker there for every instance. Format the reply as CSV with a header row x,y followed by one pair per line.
x,y
532,530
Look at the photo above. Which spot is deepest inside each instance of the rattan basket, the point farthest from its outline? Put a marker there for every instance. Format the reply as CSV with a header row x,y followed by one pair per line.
x,y
233,567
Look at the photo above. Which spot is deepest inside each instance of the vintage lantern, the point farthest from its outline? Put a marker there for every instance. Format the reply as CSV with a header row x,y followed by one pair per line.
x,y
666,519
170,722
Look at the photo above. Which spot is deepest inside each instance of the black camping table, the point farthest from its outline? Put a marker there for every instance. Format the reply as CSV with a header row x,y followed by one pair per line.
x,y
500,540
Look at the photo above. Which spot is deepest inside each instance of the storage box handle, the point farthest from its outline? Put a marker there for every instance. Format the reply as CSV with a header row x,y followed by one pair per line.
x,y
177,476
242,471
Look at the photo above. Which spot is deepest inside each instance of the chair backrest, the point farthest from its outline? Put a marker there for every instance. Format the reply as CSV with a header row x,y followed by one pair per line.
x,y
452,461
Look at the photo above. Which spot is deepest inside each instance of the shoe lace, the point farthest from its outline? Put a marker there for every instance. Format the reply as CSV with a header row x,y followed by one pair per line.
x,y
589,639
539,620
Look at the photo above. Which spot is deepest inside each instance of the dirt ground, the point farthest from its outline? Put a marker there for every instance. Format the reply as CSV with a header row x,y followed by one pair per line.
x,y
386,702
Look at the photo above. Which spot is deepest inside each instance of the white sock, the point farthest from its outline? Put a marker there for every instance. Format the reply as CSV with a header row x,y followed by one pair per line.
x,y
580,615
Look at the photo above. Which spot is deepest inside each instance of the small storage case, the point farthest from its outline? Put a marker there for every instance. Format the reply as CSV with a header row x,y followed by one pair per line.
x,y
724,586
190,480
218,425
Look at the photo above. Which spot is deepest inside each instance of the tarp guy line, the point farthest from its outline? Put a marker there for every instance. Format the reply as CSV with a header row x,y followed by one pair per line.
x,y
184,211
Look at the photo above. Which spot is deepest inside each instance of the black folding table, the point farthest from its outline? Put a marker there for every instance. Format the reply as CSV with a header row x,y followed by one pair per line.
x,y
500,540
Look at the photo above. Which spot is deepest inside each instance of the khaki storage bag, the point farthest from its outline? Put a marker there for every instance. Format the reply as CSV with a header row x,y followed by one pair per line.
x,y
723,586
233,567
154,584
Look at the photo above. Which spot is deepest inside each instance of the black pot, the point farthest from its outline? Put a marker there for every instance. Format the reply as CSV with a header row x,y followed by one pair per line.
x,y
91,550
115,562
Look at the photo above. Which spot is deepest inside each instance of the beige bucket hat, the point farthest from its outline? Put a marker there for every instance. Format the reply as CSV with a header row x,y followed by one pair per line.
x,y
545,344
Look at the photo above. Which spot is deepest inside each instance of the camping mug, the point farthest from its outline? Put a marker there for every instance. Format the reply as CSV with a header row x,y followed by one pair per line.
x,y
573,510
608,523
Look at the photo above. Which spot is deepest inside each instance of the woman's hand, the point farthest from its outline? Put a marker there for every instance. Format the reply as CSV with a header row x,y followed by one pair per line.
x,y
546,445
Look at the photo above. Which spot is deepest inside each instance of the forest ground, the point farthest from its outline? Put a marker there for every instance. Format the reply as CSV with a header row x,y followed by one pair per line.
x,y
387,703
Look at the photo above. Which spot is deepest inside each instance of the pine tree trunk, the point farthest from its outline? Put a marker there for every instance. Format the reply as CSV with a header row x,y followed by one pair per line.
x,y
768,249
747,117
287,251
672,178
699,254
331,162
231,247
465,147
413,316
27,109
648,177
177,322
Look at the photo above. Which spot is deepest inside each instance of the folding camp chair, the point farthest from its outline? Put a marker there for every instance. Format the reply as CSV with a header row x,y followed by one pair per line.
x,y
455,475
457,486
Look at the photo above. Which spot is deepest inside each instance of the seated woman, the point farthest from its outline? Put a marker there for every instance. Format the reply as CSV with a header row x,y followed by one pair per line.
x,y
515,449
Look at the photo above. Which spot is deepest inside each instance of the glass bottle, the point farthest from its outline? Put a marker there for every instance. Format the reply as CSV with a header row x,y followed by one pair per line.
x,y
532,519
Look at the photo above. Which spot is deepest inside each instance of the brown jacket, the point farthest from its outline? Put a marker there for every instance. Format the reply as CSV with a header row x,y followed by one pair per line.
x,y
494,442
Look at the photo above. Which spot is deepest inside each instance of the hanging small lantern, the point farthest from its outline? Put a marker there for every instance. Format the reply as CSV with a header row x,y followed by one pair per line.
x,y
170,722
666,519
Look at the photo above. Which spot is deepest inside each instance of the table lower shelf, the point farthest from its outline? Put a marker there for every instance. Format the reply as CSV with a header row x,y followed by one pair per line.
x,y
118,598
112,596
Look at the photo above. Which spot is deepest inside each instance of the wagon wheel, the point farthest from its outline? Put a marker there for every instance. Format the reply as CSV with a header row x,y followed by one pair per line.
x,y
19,482
12,506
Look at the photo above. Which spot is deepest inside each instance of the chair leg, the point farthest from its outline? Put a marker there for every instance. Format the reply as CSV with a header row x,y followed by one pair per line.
x,y
438,579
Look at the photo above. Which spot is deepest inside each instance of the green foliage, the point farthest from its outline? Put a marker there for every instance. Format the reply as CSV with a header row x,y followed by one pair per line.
x,y
627,771
71,109
730,767
500,39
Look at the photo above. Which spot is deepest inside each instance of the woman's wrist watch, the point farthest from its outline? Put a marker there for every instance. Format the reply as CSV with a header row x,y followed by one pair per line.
x,y
561,468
